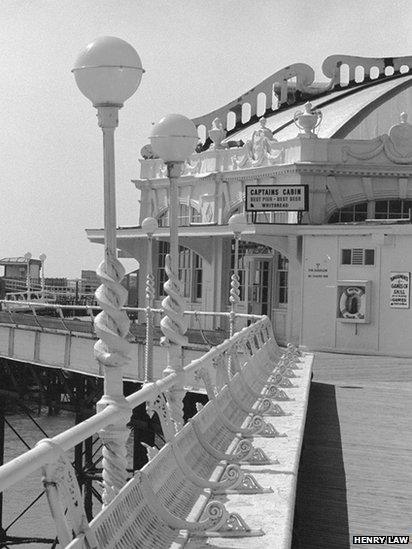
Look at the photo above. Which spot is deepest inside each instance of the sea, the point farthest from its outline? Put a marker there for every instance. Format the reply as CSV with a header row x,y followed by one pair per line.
x,y
36,521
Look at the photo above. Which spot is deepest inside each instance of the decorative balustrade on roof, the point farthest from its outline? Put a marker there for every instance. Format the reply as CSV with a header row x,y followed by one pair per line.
x,y
392,148
296,84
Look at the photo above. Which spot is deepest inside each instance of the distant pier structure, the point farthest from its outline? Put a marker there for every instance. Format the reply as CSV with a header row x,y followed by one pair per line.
x,y
23,279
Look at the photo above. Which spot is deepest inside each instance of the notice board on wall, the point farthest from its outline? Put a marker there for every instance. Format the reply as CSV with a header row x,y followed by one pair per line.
x,y
400,284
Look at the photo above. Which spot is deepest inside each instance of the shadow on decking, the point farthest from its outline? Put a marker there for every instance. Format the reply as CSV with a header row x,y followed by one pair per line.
x,y
321,515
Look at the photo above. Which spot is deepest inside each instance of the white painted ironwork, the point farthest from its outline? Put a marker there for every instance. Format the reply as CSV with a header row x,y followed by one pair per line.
x,y
205,453
173,323
237,224
149,224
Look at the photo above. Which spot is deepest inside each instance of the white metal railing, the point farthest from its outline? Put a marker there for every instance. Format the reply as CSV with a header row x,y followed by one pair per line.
x,y
74,291
34,459
228,360
10,307
253,337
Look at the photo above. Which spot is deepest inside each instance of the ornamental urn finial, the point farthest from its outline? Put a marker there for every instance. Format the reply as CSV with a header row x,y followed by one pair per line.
x,y
307,120
217,134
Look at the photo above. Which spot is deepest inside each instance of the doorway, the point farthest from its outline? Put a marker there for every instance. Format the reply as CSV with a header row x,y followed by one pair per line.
x,y
258,285
263,279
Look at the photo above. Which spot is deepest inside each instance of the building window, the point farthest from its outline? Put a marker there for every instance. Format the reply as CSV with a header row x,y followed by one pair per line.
x,y
184,216
190,272
197,277
163,219
392,209
379,209
195,216
187,215
358,256
283,272
270,218
185,269
161,277
349,214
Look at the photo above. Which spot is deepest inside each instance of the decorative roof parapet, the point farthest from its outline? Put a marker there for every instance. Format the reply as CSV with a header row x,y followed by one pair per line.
x,y
333,62
277,83
397,145
250,155
295,84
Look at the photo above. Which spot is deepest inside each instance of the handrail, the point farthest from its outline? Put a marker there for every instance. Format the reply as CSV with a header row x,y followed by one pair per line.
x,y
69,307
87,308
32,460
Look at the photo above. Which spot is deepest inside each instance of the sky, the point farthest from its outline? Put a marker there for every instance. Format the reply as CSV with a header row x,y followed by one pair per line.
x,y
198,56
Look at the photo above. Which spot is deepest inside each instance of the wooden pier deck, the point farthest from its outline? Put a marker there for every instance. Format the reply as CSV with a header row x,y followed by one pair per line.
x,y
355,475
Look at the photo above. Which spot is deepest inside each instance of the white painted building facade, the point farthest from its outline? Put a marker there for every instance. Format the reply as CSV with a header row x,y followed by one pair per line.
x,y
329,281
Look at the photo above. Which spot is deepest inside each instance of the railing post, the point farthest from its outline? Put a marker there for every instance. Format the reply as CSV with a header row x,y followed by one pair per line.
x,y
234,288
108,71
237,223
149,225
2,433
174,139
112,325
173,324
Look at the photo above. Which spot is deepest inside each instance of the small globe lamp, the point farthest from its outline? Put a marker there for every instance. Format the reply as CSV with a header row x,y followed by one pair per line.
x,y
174,139
108,71
237,224
149,226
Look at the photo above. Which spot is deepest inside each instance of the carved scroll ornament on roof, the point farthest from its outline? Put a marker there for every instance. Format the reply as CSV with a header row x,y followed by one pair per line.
x,y
279,83
296,84
397,145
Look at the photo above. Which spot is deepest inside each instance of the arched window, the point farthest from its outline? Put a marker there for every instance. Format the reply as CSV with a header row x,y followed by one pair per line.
x,y
187,215
195,215
267,217
348,214
163,219
190,271
377,209
184,216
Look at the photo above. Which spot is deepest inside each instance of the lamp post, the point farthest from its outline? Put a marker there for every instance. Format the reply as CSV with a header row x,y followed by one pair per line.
x,y
108,71
149,225
42,258
27,257
237,224
174,139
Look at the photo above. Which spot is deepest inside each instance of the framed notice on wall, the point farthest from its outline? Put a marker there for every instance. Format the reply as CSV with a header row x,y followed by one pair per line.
x,y
399,297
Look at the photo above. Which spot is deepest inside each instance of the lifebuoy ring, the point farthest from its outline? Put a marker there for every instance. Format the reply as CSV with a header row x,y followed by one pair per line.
x,y
352,303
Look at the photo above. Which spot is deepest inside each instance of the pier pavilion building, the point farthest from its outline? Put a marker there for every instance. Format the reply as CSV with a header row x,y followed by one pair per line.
x,y
333,277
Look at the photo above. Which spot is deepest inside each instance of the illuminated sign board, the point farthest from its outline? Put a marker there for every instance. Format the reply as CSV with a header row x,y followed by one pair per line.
x,y
275,198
